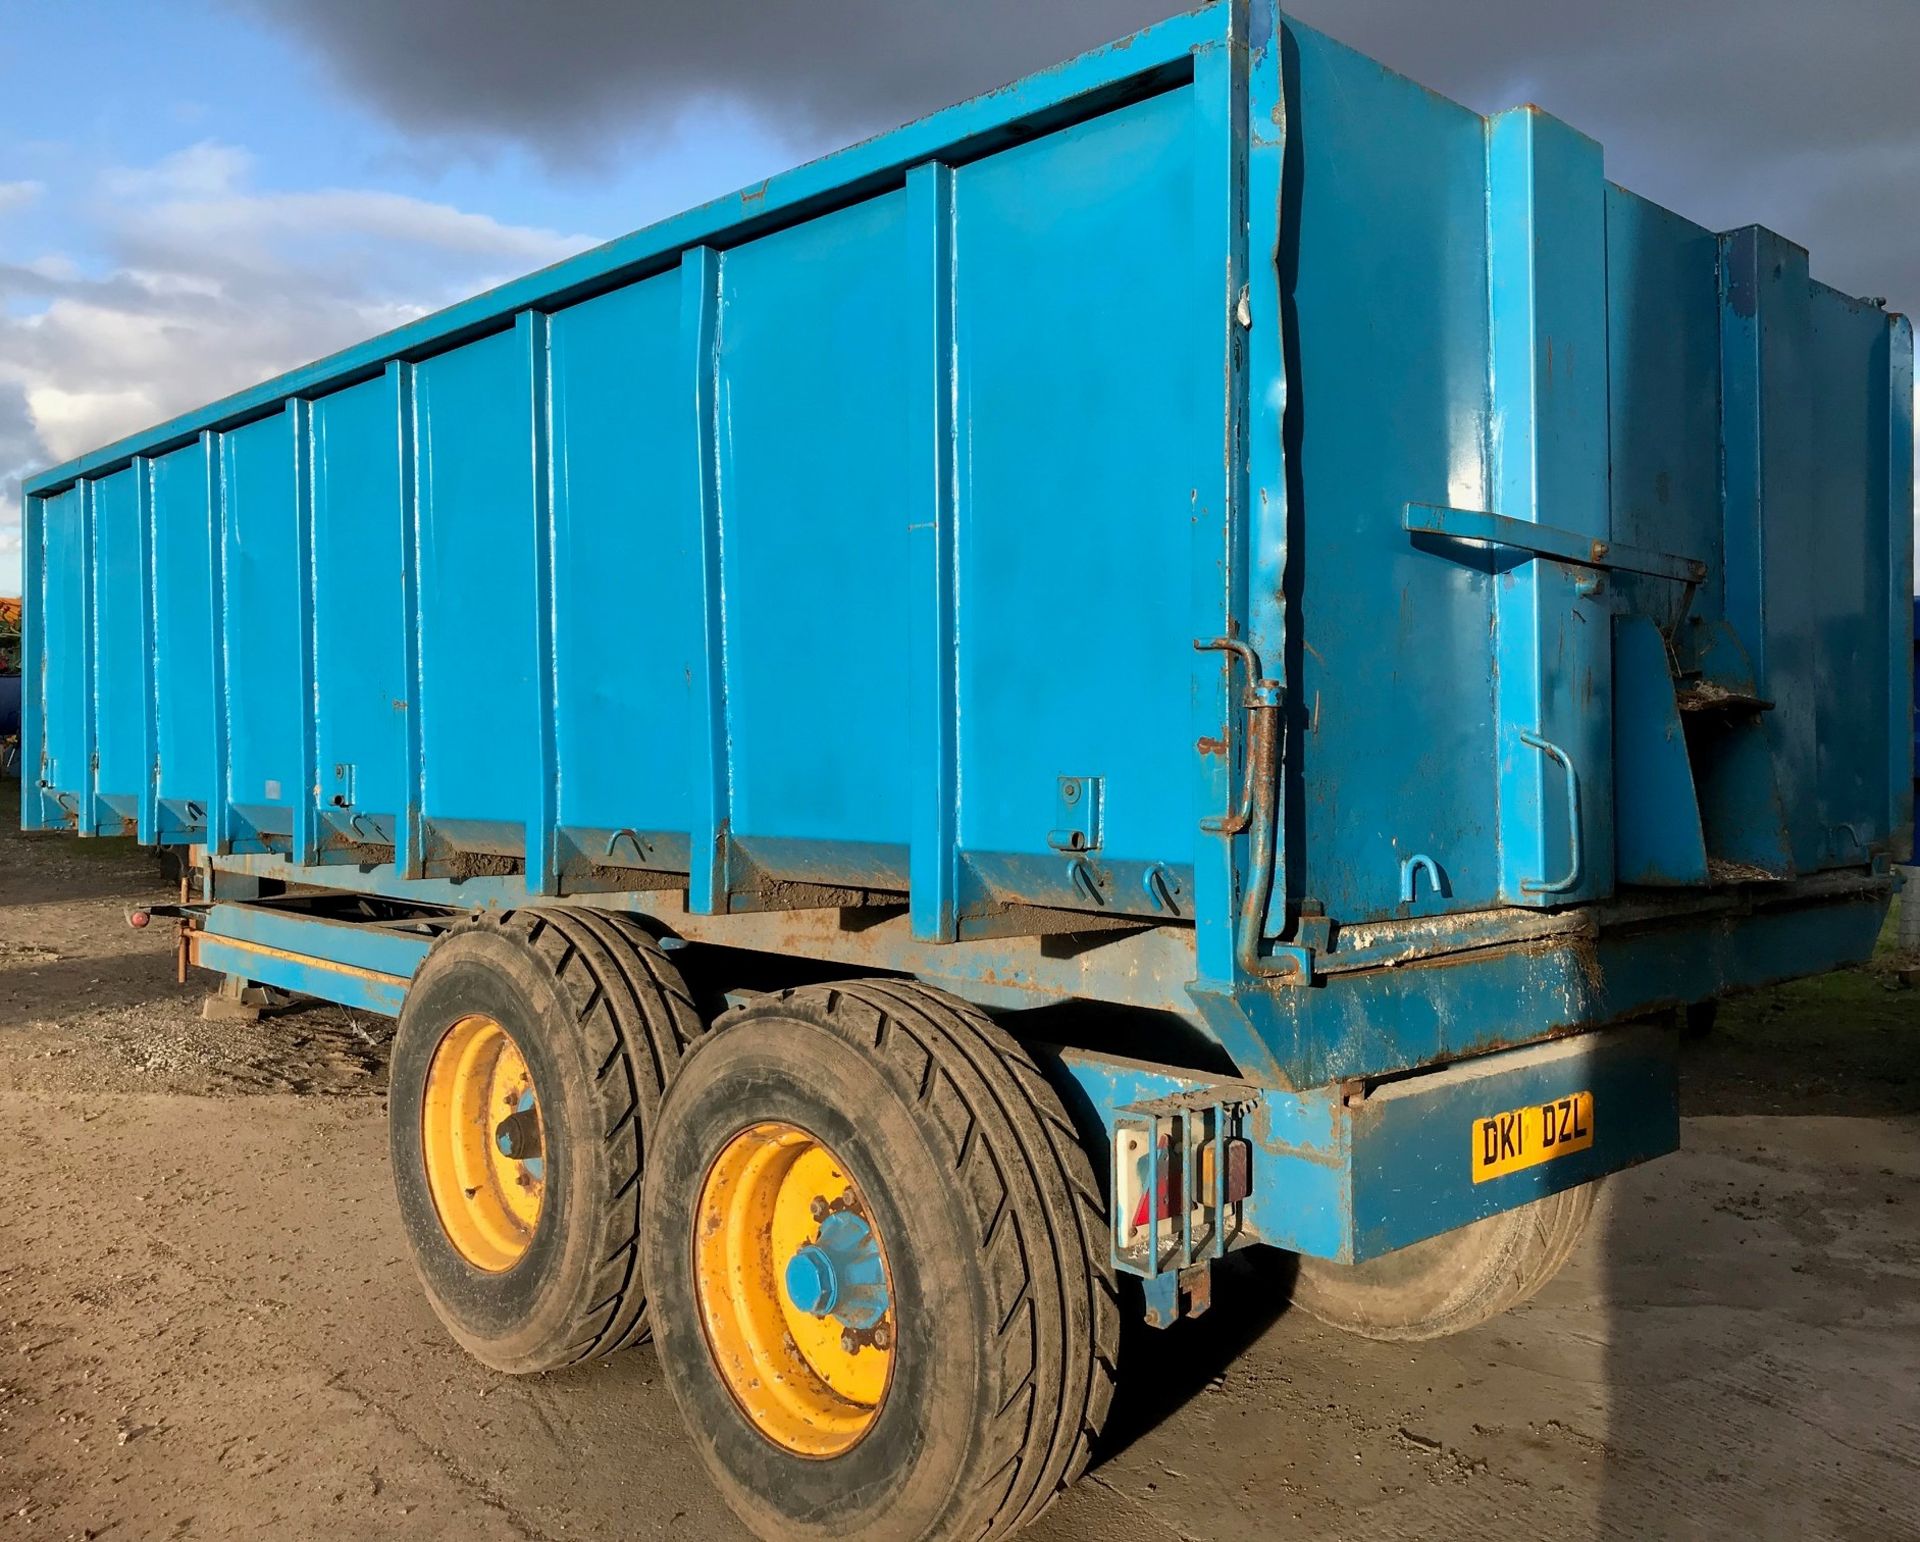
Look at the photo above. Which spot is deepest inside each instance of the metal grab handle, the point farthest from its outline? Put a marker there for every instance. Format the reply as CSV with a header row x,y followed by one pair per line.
x,y
1260,693
1577,838
1256,815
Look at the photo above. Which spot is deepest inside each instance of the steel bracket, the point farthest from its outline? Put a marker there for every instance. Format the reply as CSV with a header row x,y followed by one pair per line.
x,y
1076,815
1549,541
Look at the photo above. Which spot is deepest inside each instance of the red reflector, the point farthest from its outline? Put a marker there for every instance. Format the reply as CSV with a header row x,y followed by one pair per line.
x,y
1169,1192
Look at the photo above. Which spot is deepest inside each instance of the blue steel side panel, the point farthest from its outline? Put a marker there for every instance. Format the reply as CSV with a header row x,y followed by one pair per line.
x,y
306,832
1771,529
1663,371
410,838
710,857
813,394
1901,603
147,820
359,615
934,448
1547,441
1854,631
1383,254
1658,837
1077,488
626,565
183,641
261,627
479,736
33,662
1238,538
1663,361
66,706
532,340
120,655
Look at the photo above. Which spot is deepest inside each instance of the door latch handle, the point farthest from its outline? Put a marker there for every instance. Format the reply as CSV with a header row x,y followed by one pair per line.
x,y
1261,695
1576,837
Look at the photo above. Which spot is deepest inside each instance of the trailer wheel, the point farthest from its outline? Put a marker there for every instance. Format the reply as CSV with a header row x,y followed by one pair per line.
x,y
528,1066
1451,1282
879,1260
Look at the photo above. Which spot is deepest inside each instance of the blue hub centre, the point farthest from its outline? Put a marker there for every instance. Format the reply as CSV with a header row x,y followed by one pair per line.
x,y
840,1274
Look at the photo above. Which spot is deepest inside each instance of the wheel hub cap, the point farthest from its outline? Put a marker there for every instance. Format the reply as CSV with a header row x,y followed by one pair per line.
x,y
840,1275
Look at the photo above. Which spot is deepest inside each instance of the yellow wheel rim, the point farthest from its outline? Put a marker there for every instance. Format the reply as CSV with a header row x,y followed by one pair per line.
x,y
484,1143
777,1207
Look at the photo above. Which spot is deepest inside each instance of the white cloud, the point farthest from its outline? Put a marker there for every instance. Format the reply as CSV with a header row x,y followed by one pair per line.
x,y
56,266
70,422
209,285
17,195
201,170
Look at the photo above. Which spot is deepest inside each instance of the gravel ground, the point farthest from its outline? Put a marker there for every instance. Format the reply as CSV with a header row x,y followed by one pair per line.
x,y
208,1326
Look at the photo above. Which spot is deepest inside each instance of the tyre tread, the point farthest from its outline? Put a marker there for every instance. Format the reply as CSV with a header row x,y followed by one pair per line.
x,y
614,976
1522,1250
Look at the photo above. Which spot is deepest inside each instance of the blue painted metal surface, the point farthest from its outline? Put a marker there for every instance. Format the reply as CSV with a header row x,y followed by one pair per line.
x,y
353,963
1348,1175
791,555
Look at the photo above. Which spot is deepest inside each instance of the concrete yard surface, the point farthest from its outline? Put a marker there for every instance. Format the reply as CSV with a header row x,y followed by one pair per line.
x,y
209,1327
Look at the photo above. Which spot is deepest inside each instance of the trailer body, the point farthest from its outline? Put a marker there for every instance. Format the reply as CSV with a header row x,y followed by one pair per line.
x,y
1215,529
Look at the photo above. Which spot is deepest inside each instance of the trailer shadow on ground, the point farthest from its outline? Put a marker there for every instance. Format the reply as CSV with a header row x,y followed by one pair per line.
x,y
1162,1371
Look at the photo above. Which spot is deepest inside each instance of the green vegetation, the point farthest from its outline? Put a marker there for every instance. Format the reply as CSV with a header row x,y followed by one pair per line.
x,y
1842,1043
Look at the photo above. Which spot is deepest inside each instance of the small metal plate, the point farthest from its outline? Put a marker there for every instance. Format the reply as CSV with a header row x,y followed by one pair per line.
x,y
1076,815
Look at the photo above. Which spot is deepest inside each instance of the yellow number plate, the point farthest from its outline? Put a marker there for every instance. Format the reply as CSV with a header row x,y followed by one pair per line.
x,y
1525,1137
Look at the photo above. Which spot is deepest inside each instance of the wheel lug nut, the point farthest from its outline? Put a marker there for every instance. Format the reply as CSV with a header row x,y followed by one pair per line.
x,y
818,1208
848,1342
882,1337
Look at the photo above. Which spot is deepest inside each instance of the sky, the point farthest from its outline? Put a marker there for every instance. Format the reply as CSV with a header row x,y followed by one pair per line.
x,y
198,194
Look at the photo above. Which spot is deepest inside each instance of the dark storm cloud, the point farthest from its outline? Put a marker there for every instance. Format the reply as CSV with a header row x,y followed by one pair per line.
x,y
560,75
1792,113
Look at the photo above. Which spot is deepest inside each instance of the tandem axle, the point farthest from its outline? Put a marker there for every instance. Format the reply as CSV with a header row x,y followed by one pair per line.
x,y
1195,1165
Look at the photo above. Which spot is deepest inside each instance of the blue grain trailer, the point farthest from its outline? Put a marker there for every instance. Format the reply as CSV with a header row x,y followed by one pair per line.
x,y
1223,640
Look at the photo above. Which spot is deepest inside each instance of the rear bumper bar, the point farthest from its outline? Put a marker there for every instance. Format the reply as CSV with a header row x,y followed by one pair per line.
x,y
1348,1172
